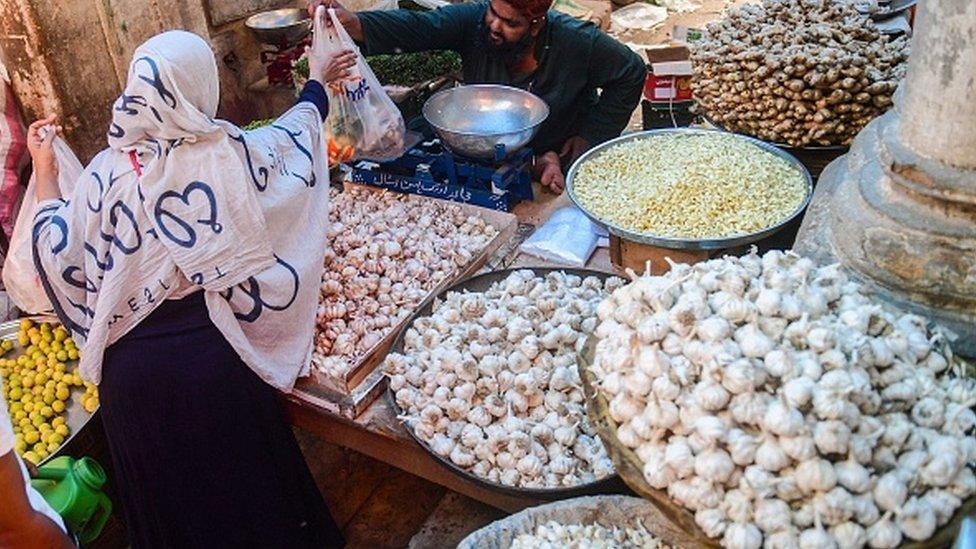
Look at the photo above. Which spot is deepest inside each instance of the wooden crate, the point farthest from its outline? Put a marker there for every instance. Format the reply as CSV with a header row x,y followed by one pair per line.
x,y
507,225
626,254
346,404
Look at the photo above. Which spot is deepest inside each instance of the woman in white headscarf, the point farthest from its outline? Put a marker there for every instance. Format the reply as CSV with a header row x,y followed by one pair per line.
x,y
187,265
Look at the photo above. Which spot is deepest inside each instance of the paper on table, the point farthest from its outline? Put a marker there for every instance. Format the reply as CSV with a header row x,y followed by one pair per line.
x,y
567,237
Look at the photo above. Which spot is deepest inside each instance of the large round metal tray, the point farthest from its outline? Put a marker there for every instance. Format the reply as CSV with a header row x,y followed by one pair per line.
x,y
481,283
76,417
688,243
609,511
891,9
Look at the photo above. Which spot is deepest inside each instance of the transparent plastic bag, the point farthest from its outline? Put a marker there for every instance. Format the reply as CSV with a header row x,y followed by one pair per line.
x,y
568,237
363,121
20,277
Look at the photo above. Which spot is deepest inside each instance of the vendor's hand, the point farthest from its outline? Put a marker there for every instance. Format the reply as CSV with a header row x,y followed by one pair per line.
x,y
40,143
573,149
549,172
348,19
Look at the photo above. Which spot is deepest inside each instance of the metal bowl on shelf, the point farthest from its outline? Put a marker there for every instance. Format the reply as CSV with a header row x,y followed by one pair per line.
x,y
485,121
481,283
284,28
679,243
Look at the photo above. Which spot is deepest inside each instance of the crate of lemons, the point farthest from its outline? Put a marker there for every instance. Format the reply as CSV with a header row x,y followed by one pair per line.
x,y
38,385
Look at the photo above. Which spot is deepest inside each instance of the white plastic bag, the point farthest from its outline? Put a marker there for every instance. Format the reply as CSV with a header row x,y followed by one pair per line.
x,y
363,121
20,277
638,17
568,237
371,5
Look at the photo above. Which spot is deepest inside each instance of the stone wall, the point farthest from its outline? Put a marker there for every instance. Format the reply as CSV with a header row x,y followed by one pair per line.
x,y
71,57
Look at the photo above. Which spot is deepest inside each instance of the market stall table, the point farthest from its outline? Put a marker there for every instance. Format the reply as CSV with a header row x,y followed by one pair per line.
x,y
378,433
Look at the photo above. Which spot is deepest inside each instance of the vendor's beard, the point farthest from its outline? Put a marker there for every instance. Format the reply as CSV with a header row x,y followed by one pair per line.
x,y
507,52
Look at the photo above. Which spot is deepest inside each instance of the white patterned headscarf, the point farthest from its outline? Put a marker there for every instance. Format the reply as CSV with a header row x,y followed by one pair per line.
x,y
182,202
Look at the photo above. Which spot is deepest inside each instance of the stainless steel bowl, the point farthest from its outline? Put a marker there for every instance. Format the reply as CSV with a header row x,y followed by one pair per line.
x,y
77,417
284,27
720,243
475,120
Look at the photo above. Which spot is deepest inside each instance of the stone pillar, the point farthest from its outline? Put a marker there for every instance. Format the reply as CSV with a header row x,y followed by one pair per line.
x,y
903,213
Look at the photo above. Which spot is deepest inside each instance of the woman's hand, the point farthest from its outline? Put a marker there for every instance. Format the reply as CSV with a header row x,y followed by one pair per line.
x,y
337,67
40,143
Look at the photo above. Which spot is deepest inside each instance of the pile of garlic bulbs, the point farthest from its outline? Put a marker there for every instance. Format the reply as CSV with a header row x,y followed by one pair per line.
x,y
786,408
386,252
554,535
490,380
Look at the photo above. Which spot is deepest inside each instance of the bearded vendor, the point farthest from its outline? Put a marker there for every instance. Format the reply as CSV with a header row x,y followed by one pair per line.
x,y
590,81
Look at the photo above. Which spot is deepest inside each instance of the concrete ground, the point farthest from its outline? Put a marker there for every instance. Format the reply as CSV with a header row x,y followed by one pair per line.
x,y
378,506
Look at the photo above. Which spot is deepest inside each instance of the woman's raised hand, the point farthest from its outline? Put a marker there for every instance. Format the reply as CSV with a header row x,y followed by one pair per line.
x,y
40,144
337,67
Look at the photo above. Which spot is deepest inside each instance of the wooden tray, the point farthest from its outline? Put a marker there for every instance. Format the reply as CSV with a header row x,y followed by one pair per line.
x,y
505,223
627,254
630,469
348,405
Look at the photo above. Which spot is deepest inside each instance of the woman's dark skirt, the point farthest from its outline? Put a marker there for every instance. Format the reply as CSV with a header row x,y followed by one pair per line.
x,y
202,453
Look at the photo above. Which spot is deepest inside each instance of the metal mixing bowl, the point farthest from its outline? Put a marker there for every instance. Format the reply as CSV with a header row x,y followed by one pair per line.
x,y
474,120
284,27
689,243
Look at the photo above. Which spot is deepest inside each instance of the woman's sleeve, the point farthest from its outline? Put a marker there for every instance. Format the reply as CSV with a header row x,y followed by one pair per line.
x,y
314,93
59,255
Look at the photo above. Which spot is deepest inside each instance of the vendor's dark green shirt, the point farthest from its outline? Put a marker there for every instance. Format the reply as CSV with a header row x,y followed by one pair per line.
x,y
575,61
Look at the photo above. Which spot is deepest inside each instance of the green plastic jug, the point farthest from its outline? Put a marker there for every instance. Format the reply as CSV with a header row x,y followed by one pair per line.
x,y
73,488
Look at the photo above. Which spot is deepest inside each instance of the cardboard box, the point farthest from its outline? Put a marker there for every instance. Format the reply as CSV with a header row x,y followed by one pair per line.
x,y
669,74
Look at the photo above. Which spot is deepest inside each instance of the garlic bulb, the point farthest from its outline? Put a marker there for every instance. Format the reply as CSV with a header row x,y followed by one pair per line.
x,y
714,465
890,492
772,515
742,536
849,535
853,476
770,393
815,475
884,534
916,520
712,521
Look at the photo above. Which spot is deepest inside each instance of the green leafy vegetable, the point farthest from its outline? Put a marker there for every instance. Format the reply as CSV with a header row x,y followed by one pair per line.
x,y
404,69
